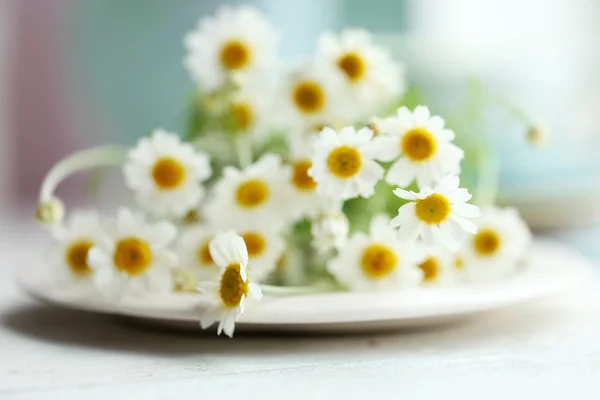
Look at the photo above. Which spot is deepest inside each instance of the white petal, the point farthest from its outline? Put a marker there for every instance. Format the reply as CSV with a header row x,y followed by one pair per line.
x,y
384,148
229,327
452,240
467,210
228,248
255,291
409,229
448,184
161,234
467,225
405,194
401,173
126,223
407,211
460,195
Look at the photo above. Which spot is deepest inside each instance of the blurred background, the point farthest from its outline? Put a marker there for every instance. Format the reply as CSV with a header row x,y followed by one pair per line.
x,y
74,73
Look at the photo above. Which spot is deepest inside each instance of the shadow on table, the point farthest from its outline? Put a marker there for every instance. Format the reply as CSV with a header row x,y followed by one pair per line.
x,y
82,329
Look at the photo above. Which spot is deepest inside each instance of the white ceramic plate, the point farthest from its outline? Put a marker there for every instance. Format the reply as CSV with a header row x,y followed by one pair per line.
x,y
551,269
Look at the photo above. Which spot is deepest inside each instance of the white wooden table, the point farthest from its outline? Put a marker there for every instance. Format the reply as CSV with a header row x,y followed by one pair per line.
x,y
547,350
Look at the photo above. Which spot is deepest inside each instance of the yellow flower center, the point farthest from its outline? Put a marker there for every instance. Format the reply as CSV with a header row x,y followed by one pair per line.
x,y
486,242
204,257
459,262
344,162
76,257
353,66
300,177
308,97
430,268
232,287
235,55
132,256
252,193
378,261
433,210
168,173
418,144
242,115
255,243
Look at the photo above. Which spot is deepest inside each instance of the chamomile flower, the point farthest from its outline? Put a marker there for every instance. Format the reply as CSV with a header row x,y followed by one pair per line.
x,y
377,260
79,234
235,40
228,293
344,164
500,243
440,216
257,195
373,78
439,269
265,247
304,196
330,230
194,252
133,256
166,174
251,106
424,146
311,95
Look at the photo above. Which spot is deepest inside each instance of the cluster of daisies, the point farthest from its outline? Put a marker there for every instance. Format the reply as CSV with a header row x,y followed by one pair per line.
x,y
309,162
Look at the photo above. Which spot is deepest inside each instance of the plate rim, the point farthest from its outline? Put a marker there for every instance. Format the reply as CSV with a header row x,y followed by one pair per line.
x,y
463,300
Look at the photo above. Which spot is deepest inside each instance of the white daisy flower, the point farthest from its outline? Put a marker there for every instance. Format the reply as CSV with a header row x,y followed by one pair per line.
x,y
251,106
501,241
439,269
424,146
330,230
265,247
133,256
311,95
377,261
228,293
440,216
307,202
373,78
344,164
79,234
194,252
255,196
235,40
166,174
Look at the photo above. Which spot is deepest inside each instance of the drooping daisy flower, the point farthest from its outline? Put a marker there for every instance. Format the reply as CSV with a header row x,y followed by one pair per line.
x,y
377,260
133,256
330,229
372,76
265,248
227,294
424,146
235,40
80,233
255,196
440,216
344,164
500,243
166,174
312,95
439,269
306,201
194,252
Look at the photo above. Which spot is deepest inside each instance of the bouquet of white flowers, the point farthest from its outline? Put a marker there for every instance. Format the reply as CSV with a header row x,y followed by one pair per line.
x,y
326,175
